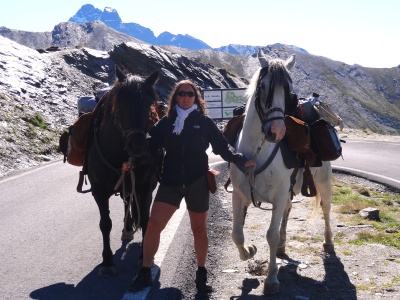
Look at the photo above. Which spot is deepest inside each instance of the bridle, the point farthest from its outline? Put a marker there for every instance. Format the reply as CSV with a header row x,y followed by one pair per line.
x,y
265,119
125,133
265,115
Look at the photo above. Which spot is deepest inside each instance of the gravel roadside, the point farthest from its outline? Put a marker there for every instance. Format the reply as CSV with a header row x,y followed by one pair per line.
x,y
352,272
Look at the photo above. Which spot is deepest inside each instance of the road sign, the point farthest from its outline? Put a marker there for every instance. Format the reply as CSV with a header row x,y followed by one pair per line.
x,y
221,102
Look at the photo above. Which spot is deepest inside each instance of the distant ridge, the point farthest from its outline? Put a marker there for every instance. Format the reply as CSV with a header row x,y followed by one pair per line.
x,y
366,98
110,17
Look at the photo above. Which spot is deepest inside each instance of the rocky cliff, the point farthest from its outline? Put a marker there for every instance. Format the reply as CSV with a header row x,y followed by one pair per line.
x,y
39,91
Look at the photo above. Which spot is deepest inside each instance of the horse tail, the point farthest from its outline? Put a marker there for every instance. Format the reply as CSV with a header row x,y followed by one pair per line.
x,y
316,205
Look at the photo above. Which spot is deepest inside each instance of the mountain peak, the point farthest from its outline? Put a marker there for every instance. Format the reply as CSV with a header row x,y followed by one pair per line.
x,y
111,17
86,13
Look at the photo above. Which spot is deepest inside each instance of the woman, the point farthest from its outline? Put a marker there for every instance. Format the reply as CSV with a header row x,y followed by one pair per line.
x,y
185,133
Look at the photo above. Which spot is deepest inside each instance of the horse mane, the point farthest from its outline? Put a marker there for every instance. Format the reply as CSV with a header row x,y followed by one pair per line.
x,y
122,90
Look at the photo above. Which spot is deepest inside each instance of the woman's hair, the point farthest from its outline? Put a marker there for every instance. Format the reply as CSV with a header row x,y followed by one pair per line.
x,y
198,98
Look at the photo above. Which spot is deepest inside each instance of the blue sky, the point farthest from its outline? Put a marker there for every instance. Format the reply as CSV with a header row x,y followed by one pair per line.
x,y
365,32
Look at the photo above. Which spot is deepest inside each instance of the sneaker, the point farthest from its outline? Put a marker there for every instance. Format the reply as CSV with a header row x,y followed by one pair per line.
x,y
142,280
201,281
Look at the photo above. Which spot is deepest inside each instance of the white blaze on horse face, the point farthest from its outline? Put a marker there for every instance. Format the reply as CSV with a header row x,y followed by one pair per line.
x,y
278,126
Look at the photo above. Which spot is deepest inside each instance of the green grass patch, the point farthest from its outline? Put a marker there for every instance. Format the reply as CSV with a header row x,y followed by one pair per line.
x,y
349,199
36,121
366,237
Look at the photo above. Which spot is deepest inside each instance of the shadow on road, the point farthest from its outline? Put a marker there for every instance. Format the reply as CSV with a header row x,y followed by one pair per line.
x,y
92,286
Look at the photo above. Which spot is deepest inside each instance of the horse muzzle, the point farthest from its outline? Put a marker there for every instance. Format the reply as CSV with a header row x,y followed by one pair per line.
x,y
135,143
269,135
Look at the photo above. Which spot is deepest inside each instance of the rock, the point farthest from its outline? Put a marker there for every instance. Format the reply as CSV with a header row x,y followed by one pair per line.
x,y
370,213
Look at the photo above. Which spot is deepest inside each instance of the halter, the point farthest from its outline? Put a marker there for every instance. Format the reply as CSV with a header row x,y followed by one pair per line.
x,y
127,132
264,116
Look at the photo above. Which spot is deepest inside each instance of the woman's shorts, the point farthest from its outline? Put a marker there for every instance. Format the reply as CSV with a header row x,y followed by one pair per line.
x,y
196,195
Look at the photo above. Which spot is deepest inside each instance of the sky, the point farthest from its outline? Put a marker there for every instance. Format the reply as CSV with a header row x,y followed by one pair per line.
x,y
364,32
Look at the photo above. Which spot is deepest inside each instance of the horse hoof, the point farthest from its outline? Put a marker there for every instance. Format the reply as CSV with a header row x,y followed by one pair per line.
x,y
271,288
248,252
281,251
252,250
127,235
329,248
107,271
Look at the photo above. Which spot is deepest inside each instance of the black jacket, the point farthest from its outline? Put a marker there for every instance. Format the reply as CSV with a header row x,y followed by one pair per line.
x,y
185,158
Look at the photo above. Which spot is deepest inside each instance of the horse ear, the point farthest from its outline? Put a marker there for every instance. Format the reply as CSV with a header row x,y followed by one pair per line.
x,y
291,61
120,75
262,59
152,78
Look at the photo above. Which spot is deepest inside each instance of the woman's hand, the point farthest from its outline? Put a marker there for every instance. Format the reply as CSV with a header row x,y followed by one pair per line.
x,y
250,163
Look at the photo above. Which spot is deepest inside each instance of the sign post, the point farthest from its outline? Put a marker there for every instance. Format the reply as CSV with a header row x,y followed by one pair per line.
x,y
221,102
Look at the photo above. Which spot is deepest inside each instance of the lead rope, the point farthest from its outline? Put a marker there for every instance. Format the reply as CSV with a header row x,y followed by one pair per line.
x,y
252,176
253,173
128,167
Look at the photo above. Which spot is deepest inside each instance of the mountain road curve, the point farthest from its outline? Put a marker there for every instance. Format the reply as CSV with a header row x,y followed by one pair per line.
x,y
374,160
51,243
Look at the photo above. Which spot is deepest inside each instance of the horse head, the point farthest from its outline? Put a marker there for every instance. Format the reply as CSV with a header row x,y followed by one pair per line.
x,y
132,100
272,94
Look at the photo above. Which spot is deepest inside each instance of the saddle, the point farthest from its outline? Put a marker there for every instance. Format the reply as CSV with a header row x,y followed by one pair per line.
x,y
295,148
74,142
233,128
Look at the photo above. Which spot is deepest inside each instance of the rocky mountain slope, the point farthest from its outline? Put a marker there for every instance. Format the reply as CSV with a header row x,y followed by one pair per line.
x,y
94,35
38,91
365,98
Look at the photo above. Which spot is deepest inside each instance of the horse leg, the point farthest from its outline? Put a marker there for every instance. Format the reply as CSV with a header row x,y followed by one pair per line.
x,y
239,214
271,283
285,218
107,267
323,198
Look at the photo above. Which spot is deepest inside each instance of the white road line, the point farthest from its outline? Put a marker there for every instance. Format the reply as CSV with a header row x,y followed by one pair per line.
x,y
32,170
365,172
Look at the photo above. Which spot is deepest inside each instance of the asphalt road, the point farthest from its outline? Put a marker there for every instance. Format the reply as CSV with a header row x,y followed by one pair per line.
x,y
373,160
51,243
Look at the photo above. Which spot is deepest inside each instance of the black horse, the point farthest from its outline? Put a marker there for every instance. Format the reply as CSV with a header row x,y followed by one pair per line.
x,y
118,160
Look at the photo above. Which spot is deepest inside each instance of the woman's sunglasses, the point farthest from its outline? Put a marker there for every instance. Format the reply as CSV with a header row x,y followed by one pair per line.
x,y
183,94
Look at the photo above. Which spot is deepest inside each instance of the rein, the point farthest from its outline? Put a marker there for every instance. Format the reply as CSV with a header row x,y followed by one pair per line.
x,y
127,168
253,173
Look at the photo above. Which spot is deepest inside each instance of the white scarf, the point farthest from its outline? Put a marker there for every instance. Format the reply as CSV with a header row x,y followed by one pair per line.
x,y
180,119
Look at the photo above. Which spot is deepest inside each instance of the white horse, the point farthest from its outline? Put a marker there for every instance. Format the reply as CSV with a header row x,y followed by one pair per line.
x,y
263,128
